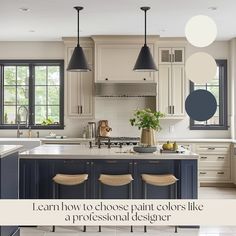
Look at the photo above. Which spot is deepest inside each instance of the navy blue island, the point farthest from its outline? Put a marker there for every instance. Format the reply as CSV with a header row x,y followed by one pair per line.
x,y
39,165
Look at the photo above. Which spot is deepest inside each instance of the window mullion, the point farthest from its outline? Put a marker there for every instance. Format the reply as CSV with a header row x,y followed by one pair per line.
x,y
31,94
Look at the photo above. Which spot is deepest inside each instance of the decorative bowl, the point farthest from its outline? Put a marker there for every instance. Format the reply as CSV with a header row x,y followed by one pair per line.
x,y
141,149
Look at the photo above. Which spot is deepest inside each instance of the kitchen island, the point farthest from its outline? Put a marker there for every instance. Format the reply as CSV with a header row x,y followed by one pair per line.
x,y
39,165
9,180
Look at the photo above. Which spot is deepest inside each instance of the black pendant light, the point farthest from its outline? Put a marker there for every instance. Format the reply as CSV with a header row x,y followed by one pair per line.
x,y
145,61
78,62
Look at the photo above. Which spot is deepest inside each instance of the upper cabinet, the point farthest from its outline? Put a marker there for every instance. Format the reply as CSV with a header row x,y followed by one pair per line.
x,y
171,55
115,58
80,85
171,82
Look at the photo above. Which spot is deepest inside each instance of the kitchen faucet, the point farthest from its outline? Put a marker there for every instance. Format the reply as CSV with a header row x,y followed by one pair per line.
x,y
19,133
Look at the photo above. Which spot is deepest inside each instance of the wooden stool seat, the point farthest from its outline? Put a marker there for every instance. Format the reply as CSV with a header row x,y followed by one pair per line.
x,y
70,179
115,180
159,180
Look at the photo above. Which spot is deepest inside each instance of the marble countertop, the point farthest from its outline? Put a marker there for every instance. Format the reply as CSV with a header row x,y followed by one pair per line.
x,y
84,152
6,150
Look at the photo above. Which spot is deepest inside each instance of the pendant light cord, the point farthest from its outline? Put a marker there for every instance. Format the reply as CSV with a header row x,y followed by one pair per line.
x,y
78,31
145,27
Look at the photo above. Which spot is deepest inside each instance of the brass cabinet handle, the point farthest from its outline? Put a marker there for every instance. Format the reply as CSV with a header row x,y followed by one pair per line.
x,y
221,158
81,109
203,173
211,148
111,161
153,162
220,173
203,157
169,109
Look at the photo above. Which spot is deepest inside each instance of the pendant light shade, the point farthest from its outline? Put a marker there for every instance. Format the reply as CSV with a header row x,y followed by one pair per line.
x,y
78,62
145,60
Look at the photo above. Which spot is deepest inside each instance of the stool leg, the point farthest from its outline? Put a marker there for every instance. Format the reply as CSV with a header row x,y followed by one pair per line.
x,y
85,196
54,197
100,197
145,197
176,197
131,197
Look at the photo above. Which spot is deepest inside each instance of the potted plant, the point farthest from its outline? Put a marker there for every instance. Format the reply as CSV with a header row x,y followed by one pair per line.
x,y
149,122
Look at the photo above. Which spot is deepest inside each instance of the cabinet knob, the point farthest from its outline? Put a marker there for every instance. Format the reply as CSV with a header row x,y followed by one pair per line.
x,y
144,79
106,78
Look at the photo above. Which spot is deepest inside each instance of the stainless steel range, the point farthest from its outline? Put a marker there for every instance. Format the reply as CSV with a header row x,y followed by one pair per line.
x,y
117,141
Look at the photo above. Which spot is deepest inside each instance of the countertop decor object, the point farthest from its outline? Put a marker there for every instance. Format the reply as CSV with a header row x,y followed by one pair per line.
x,y
149,122
78,62
145,60
141,149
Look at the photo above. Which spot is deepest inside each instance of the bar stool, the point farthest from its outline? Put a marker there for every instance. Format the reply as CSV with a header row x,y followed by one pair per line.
x,y
159,180
115,180
69,180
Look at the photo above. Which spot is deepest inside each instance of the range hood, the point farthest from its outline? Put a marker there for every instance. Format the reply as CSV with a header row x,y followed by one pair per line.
x,y
125,89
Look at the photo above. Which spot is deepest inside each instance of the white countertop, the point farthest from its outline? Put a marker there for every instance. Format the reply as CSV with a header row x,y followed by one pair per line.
x,y
197,140
67,140
84,152
6,150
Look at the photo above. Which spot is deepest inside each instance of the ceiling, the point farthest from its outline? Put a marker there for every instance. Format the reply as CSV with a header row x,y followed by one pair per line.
x,y
49,20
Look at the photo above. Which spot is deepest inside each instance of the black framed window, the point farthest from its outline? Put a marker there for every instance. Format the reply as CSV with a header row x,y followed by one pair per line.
x,y
32,94
218,87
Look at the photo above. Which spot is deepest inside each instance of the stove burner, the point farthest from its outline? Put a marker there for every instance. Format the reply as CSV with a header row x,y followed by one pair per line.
x,y
117,141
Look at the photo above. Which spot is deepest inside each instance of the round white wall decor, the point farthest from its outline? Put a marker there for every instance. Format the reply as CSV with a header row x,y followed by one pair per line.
x,y
201,31
200,68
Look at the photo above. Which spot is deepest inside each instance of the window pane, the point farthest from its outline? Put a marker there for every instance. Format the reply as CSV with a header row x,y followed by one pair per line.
x,y
9,75
54,113
215,91
40,95
9,95
40,75
53,75
22,75
10,115
40,114
22,95
53,95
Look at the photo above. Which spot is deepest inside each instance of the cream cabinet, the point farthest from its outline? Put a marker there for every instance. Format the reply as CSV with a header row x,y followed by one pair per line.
x,y
174,55
171,90
115,58
80,100
214,162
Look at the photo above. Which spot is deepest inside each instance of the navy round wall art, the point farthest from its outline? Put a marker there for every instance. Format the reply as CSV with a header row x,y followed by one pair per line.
x,y
200,105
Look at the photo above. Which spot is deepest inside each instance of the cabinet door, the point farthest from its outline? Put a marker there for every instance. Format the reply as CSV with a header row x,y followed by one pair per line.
x,y
80,91
153,167
177,56
28,179
164,56
113,167
71,166
115,63
177,90
164,82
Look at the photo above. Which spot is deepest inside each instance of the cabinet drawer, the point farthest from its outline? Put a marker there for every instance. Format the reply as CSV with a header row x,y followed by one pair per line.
x,y
215,160
211,149
214,175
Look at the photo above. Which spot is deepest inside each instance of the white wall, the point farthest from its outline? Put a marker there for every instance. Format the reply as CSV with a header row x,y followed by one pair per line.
x,y
118,111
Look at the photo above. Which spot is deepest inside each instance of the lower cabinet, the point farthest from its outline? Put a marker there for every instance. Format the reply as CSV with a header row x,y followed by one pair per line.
x,y
36,178
9,187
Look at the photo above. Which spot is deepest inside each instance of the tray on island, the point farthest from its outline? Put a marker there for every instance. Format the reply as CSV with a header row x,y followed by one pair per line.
x,y
171,151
